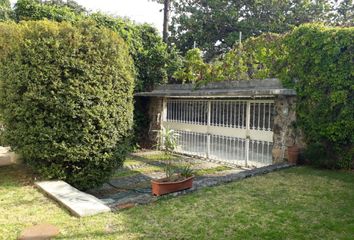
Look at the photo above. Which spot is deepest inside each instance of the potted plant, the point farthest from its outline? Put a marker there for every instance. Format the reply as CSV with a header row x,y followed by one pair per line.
x,y
293,154
294,150
174,180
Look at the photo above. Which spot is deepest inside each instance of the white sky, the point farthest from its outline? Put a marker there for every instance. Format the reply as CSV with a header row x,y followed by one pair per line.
x,y
141,11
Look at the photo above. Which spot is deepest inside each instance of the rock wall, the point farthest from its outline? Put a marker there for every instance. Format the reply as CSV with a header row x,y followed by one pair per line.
x,y
284,128
155,117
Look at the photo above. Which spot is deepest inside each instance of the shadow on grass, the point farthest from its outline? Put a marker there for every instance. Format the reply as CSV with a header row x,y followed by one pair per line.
x,y
340,175
16,175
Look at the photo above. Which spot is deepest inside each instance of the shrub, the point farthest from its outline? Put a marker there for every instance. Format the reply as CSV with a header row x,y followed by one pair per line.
x,y
257,58
319,64
66,98
39,10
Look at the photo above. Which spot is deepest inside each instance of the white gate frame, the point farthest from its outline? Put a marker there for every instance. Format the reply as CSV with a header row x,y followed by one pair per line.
x,y
247,133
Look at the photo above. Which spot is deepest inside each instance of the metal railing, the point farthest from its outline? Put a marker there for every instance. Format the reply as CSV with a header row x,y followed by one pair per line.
x,y
235,131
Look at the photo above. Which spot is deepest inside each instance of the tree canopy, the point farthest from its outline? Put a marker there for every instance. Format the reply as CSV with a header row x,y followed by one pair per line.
x,y
214,25
5,10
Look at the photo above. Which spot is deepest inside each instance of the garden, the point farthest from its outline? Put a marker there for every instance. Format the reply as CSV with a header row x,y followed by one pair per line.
x,y
67,108
300,203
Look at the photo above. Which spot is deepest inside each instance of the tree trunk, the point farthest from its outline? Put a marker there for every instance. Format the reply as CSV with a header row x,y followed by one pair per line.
x,y
166,18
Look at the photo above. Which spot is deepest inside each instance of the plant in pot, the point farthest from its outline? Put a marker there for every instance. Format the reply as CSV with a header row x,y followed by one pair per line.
x,y
175,180
293,150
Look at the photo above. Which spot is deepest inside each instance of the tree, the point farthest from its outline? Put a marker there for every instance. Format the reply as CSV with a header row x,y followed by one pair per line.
x,y
345,13
69,3
5,10
38,10
166,18
215,24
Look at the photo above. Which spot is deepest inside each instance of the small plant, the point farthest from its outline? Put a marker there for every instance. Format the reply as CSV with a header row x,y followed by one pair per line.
x,y
169,140
186,171
175,180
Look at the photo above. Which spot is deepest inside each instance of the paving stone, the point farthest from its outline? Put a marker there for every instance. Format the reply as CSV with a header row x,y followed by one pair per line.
x,y
39,232
79,203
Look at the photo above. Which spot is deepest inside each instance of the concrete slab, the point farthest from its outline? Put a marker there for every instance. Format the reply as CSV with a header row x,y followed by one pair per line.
x,y
79,203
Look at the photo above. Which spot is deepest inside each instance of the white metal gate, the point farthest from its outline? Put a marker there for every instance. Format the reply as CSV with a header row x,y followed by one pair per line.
x,y
235,131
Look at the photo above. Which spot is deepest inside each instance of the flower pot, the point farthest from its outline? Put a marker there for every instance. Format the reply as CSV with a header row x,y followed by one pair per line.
x,y
293,154
160,187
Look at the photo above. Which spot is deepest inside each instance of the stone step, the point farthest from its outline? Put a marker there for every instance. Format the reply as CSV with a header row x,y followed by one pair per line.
x,y
79,203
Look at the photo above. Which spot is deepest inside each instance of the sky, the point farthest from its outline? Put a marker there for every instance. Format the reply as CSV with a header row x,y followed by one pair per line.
x,y
141,11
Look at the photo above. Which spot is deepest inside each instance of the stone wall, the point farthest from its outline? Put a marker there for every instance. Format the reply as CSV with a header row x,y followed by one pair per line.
x,y
155,117
284,128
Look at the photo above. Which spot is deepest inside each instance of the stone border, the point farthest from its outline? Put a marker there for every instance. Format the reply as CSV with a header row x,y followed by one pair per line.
x,y
232,177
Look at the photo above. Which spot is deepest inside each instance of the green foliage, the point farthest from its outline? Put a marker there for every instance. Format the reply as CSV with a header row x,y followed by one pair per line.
x,y
169,140
214,25
154,62
38,10
66,98
150,54
5,10
194,68
345,13
186,171
257,58
319,64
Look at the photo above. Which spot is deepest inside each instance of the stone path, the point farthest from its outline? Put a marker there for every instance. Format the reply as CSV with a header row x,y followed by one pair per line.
x,y
79,203
125,192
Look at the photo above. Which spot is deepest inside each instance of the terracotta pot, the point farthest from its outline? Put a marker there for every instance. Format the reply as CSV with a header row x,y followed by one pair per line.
x,y
159,187
293,154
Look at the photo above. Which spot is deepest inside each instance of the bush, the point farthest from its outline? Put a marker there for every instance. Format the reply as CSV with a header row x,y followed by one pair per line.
x,y
257,58
38,10
66,98
319,64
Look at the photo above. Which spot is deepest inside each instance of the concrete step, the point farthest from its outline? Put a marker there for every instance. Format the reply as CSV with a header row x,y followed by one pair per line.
x,y
79,203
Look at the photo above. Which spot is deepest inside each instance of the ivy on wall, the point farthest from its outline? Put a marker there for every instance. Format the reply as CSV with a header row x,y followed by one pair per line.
x,y
319,64
317,61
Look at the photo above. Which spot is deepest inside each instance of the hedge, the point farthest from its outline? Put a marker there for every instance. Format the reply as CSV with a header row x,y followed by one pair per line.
x,y
319,63
66,98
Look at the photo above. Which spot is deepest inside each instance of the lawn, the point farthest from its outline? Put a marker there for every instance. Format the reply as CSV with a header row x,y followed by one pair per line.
x,y
298,203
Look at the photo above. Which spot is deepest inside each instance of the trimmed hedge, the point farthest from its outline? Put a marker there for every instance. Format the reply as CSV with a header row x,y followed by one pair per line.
x,y
320,65
66,98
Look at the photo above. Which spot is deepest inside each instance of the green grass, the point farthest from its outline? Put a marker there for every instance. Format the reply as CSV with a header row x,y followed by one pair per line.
x,y
161,157
298,203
